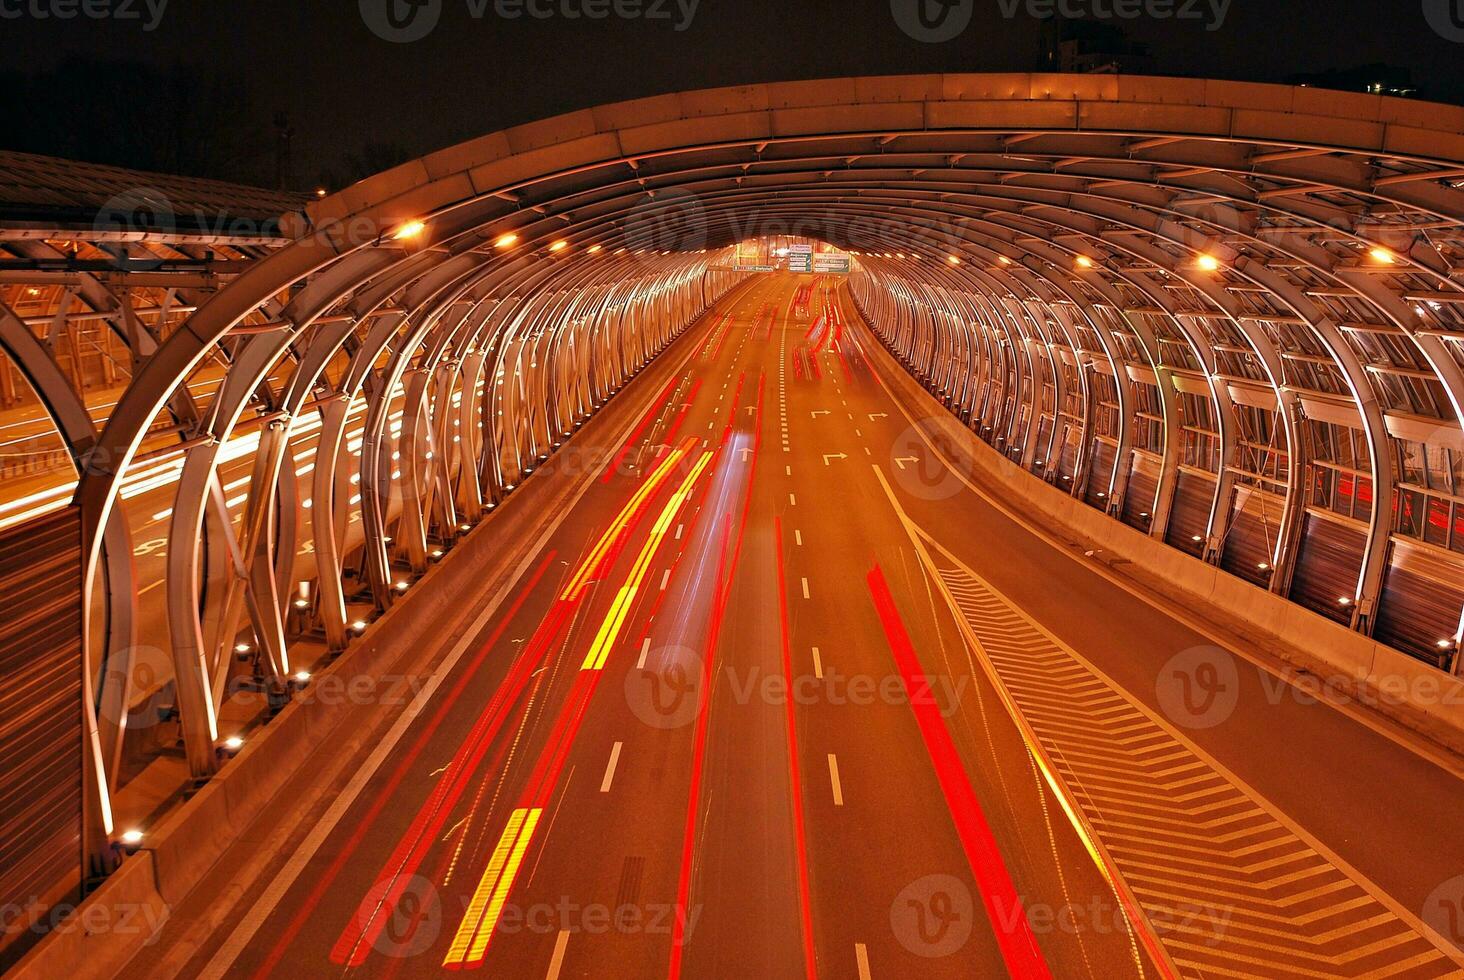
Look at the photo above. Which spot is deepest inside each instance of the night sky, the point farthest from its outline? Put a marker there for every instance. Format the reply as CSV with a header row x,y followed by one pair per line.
x,y
200,92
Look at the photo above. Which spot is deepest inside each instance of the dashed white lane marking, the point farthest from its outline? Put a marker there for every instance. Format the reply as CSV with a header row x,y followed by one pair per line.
x,y
679,529
792,500
858,433
557,960
798,536
817,664
665,578
645,652
861,956
787,471
805,588
610,767
834,780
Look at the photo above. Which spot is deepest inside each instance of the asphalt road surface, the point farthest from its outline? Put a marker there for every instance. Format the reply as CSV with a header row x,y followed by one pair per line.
x,y
784,694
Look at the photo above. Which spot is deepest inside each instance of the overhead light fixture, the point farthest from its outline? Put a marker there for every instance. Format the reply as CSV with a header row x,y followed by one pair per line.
x,y
233,743
953,260
131,837
320,192
1084,262
1382,255
303,676
1209,263
359,626
594,248
409,230
1003,260
559,246
505,240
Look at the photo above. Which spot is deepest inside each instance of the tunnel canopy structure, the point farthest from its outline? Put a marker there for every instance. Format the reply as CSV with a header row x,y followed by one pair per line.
x,y
1230,315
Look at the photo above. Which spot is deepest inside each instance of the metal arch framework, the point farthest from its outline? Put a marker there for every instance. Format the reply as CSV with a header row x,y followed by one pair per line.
x,y
1228,314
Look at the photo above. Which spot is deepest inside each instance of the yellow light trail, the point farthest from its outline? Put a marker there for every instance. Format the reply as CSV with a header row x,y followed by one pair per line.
x,y
581,576
620,608
470,944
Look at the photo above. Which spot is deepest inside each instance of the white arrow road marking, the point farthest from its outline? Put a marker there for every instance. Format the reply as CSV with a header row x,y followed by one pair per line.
x,y
822,411
878,415
902,460
829,456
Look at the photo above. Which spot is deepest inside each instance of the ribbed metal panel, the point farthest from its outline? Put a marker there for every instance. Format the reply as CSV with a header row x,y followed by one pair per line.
x,y
40,709
1422,592
1327,566
1189,515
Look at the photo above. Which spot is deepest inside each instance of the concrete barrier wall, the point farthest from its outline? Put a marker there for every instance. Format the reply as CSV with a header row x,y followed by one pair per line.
x,y
1354,667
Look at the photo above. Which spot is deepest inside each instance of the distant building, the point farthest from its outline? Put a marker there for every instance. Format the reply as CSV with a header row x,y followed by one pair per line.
x,y
1374,79
1091,47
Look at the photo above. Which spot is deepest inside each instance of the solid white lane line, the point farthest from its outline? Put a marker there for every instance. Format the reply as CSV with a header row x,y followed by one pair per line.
x,y
645,652
817,664
557,961
805,588
861,956
834,780
610,767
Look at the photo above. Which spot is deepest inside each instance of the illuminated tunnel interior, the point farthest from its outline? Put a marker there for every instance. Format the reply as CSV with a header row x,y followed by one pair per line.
x,y
1226,317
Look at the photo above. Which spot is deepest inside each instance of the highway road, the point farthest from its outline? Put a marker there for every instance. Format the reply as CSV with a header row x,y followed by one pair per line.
x,y
788,693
